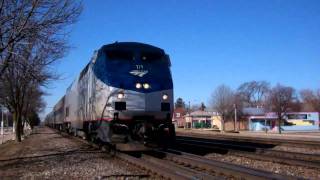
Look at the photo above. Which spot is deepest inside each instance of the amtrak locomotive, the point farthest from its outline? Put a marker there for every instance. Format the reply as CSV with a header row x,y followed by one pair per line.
x,y
123,96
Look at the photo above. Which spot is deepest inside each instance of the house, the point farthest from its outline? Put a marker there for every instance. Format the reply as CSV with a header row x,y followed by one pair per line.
x,y
260,120
178,117
203,119
293,121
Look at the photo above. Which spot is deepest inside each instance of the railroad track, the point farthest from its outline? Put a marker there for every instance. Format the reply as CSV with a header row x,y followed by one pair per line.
x,y
228,170
163,168
179,165
266,141
155,167
249,151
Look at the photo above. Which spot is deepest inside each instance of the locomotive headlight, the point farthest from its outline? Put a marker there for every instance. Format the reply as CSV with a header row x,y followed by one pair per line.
x,y
165,97
138,85
120,95
146,86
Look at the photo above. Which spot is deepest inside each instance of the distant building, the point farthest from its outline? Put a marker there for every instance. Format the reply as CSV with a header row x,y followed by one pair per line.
x,y
261,120
253,119
178,117
203,119
293,121
216,121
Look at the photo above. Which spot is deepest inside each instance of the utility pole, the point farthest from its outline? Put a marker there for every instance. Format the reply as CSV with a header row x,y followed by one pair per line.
x,y
189,114
235,117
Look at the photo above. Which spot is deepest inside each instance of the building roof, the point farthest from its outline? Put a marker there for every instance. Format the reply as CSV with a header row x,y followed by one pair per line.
x,y
273,115
180,110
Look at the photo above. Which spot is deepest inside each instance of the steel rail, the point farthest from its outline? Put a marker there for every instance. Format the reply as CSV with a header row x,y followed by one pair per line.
x,y
178,169
223,168
218,144
151,167
283,157
267,140
257,150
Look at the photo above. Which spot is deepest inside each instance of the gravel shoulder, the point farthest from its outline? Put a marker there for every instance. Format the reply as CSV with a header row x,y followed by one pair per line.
x,y
46,154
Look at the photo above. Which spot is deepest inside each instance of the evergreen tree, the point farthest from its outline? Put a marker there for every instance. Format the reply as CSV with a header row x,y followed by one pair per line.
x,y
180,103
202,107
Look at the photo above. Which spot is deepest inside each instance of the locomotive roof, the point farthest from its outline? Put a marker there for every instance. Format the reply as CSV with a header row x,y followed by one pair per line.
x,y
132,46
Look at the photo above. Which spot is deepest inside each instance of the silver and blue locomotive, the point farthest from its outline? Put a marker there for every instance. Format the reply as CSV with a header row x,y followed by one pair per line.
x,y
124,95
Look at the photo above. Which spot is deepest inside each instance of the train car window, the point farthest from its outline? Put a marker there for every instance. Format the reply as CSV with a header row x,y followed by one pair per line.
x,y
151,56
120,55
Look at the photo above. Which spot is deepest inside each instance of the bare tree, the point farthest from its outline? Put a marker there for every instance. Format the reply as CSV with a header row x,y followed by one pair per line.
x,y
222,100
310,100
44,21
194,107
280,100
32,37
253,93
33,119
21,81
34,104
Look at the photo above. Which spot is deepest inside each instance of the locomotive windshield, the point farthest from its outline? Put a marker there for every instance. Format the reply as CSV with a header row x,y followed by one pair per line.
x,y
120,55
151,56
147,56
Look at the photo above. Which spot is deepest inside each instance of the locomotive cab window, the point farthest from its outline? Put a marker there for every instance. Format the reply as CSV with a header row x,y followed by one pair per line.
x,y
120,55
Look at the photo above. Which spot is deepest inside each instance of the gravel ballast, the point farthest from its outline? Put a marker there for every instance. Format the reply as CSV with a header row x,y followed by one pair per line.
x,y
290,170
314,151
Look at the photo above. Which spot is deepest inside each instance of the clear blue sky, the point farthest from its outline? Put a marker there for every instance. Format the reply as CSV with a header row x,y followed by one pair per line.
x,y
209,42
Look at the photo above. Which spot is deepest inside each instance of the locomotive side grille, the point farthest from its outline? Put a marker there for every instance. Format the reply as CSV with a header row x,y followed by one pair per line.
x,y
120,106
165,106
